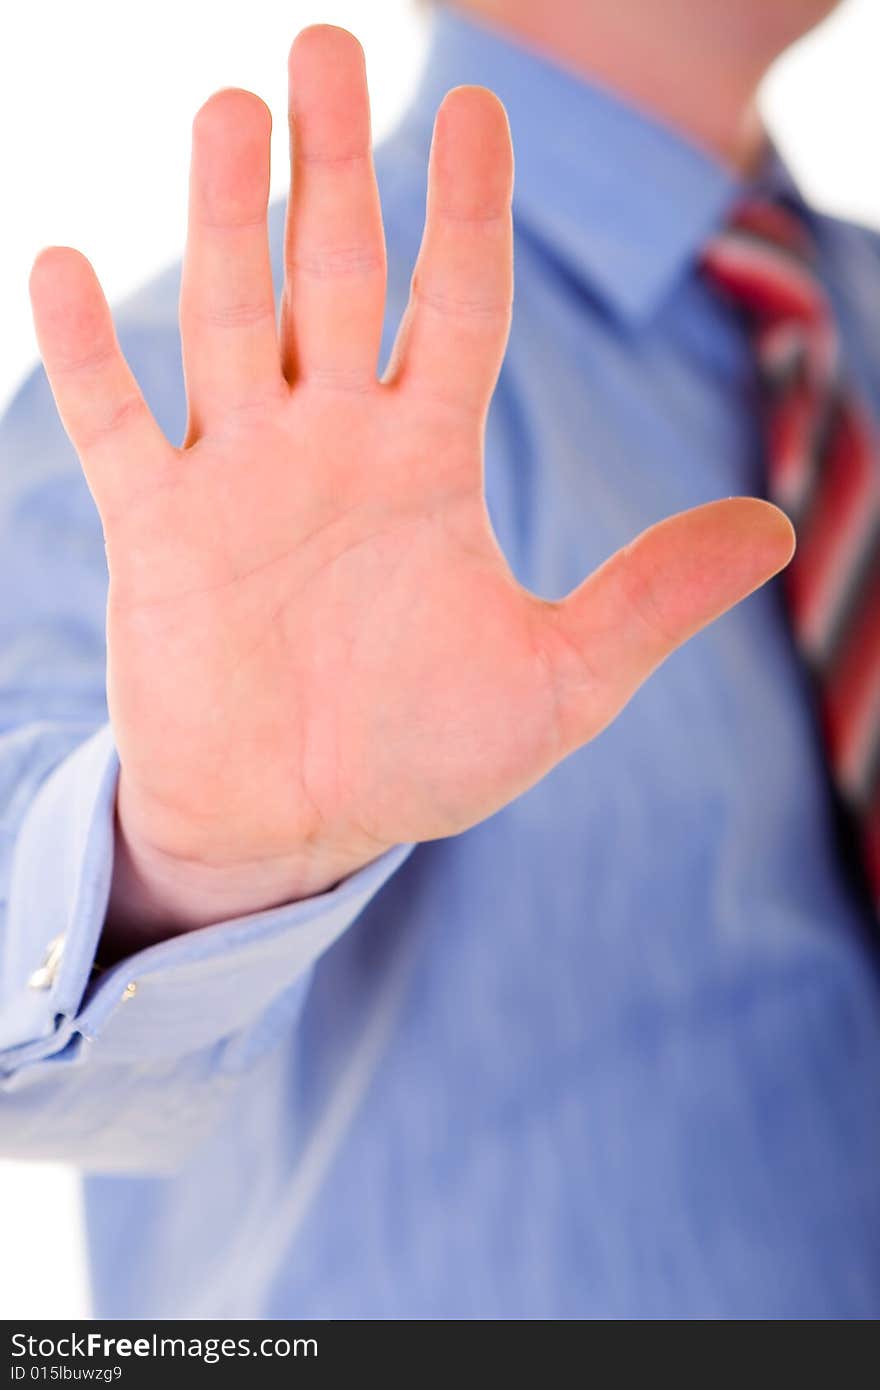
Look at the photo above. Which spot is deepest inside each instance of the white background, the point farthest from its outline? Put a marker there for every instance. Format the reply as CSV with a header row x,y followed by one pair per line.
x,y
96,99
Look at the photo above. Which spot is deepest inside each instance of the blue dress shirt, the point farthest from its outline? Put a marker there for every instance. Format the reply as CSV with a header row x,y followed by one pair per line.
x,y
613,1053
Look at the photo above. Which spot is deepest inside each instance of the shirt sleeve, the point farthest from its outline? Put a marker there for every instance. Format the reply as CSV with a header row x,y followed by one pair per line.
x,y
125,1069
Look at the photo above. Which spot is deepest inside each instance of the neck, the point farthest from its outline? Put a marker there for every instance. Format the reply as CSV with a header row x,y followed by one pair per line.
x,y
695,64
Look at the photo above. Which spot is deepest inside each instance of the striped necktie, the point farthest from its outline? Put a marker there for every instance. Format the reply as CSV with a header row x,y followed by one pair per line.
x,y
823,469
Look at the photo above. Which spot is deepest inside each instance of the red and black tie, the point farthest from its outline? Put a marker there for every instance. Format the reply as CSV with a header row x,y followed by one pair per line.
x,y
824,471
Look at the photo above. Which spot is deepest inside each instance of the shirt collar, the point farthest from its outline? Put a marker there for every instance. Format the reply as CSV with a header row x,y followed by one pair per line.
x,y
626,201
775,180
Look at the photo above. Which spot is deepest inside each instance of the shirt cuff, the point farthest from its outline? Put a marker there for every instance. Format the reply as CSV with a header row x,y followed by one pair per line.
x,y
179,995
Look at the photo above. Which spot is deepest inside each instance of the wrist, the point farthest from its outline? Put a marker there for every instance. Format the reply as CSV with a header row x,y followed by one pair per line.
x,y
157,892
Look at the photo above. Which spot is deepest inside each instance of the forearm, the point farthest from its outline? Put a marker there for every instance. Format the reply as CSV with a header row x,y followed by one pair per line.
x,y
99,1068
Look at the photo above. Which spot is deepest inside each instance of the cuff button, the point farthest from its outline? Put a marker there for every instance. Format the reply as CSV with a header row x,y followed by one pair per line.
x,y
45,975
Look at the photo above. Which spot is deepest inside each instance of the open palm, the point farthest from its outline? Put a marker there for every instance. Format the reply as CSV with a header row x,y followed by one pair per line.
x,y
316,647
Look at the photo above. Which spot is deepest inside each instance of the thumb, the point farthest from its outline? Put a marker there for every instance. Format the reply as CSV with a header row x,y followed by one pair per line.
x,y
609,634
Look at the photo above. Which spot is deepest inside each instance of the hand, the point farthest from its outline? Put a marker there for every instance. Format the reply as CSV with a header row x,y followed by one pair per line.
x,y
316,647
